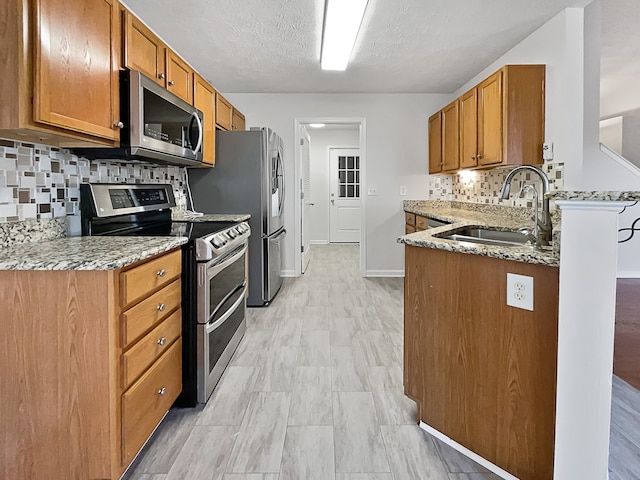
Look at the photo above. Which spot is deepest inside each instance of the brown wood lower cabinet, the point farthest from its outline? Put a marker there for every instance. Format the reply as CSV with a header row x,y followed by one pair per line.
x,y
79,399
483,373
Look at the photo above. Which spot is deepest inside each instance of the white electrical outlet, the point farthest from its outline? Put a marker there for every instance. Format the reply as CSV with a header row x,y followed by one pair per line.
x,y
520,291
403,190
547,151
372,190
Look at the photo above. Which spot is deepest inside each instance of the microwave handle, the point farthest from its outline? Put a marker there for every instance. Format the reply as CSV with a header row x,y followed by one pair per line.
x,y
200,132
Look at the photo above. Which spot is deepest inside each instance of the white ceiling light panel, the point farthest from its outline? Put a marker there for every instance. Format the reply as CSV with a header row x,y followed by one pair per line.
x,y
342,22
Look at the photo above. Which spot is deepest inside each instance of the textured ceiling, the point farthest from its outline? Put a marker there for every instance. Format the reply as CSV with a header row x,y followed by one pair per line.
x,y
413,46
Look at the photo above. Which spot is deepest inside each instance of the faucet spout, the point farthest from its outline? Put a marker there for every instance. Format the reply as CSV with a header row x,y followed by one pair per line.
x,y
543,225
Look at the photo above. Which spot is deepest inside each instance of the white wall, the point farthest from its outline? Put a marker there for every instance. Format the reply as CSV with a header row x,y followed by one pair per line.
x,y
396,154
631,139
321,141
611,133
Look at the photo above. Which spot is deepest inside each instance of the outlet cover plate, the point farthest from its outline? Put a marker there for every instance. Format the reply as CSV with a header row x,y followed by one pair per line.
x,y
520,291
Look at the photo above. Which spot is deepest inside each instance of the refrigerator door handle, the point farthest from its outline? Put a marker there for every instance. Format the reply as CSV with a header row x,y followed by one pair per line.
x,y
284,230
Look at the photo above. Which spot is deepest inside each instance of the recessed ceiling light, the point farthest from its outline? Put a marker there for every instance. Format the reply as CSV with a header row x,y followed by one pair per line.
x,y
316,125
341,24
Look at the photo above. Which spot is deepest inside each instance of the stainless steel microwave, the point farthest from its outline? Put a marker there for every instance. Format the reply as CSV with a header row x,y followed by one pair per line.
x,y
156,125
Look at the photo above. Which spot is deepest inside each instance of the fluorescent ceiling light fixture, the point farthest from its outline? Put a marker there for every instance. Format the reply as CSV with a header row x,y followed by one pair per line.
x,y
316,125
341,24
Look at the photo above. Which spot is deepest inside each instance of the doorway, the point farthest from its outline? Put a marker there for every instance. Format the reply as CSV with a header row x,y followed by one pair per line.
x,y
320,217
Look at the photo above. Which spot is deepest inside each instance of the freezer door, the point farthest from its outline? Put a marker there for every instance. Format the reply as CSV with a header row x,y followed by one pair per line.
x,y
273,280
276,189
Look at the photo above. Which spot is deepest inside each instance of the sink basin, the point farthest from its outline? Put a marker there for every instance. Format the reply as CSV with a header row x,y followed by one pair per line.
x,y
486,236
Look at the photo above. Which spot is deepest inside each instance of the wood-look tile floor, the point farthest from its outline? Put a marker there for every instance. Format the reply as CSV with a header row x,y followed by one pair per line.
x,y
314,391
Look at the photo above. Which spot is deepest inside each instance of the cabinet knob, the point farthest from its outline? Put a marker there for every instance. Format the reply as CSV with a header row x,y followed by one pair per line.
x,y
118,125
479,156
161,76
161,307
171,83
162,341
161,273
473,157
162,391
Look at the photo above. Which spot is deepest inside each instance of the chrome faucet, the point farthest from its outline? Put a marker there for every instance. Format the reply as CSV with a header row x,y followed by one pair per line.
x,y
542,228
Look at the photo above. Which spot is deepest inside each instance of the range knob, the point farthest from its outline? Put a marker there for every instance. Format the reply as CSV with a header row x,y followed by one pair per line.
x,y
242,228
218,241
232,232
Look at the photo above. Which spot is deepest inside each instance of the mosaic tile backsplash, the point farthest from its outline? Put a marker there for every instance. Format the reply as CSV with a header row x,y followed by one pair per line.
x,y
483,186
42,183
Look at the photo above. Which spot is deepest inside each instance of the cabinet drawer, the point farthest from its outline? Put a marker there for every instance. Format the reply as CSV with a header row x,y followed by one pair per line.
x,y
410,218
421,223
146,402
137,359
139,319
139,281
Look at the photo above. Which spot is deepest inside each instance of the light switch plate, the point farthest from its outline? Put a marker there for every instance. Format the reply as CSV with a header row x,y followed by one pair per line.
x,y
403,190
520,291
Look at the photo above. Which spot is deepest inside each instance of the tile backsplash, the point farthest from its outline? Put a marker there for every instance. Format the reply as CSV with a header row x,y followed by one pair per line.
x,y
40,182
483,186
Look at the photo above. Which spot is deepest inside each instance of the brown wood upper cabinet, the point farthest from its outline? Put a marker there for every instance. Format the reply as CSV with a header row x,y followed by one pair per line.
x,y
144,51
435,143
224,113
501,121
204,99
237,122
450,144
60,76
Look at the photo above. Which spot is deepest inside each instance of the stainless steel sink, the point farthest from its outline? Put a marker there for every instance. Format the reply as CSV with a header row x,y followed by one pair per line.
x,y
486,236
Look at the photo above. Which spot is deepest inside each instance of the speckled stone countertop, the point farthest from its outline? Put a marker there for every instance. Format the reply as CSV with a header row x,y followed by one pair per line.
x,y
462,214
595,196
85,253
213,217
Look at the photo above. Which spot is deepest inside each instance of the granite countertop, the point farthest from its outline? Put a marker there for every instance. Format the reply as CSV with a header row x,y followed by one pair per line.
x,y
85,253
595,196
214,217
496,217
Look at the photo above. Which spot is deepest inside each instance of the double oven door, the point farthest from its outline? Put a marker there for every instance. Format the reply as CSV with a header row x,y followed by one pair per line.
x,y
221,316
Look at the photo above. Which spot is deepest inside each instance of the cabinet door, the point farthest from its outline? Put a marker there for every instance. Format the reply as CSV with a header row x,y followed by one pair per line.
x,y
143,50
224,115
435,143
450,144
238,120
179,77
204,100
76,66
469,129
490,120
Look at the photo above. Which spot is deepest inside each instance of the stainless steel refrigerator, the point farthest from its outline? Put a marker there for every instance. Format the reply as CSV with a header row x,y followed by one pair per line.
x,y
248,177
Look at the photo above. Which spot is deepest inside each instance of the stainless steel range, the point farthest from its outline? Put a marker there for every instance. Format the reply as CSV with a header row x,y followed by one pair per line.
x,y
213,278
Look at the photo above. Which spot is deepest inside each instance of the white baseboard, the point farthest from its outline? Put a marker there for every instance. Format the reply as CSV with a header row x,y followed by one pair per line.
x,y
628,274
467,453
318,242
288,273
384,273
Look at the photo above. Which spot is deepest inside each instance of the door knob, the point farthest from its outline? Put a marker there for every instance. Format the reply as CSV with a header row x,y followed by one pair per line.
x,y
333,202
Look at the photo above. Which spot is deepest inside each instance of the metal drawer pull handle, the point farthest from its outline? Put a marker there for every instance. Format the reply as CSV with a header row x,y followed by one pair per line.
x,y
161,273
162,391
161,307
162,341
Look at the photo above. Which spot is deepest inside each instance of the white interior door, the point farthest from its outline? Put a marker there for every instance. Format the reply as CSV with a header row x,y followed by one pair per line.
x,y
344,191
305,196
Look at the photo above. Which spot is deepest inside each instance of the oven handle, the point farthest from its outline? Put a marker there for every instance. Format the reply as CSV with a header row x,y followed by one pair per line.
x,y
217,268
212,326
